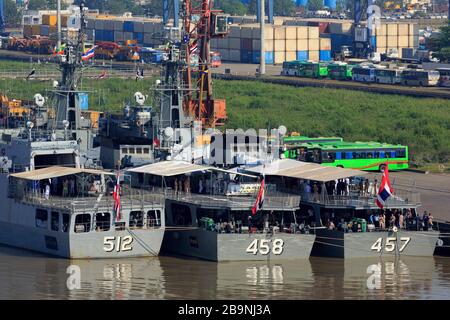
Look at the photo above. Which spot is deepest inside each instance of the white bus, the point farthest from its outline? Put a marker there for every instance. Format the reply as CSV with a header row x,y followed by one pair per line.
x,y
389,76
421,78
444,80
363,74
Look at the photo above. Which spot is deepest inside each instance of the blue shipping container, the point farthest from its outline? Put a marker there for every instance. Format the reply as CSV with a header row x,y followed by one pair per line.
x,y
139,36
302,55
128,26
246,56
256,55
325,55
108,35
98,35
373,41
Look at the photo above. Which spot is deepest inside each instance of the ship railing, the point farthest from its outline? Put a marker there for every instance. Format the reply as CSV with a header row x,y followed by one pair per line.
x,y
273,199
400,198
92,201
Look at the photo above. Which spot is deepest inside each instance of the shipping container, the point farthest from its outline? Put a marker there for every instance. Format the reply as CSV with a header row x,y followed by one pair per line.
x,y
246,44
257,56
234,43
325,44
246,56
302,56
139,36
290,55
324,55
392,30
49,19
302,32
128,26
291,33
279,57
279,45
45,30
138,27
291,45
118,36
302,45
313,44
118,25
314,55
234,55
313,32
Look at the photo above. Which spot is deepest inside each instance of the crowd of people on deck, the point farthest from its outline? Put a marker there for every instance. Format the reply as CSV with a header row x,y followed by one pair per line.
x,y
382,220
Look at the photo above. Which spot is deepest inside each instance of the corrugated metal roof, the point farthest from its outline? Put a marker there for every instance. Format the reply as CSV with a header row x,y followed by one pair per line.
x,y
170,168
55,171
305,170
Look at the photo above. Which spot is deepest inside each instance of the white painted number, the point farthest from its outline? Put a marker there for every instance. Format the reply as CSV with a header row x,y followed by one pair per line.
x,y
108,244
253,247
264,246
277,246
377,245
390,245
119,243
406,240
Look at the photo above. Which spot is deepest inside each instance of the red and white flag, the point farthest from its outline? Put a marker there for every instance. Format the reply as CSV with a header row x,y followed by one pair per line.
x,y
102,75
116,196
385,190
259,199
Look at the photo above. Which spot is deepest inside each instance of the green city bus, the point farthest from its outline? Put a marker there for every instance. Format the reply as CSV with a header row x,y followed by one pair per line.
x,y
359,155
291,68
314,70
294,144
340,71
371,156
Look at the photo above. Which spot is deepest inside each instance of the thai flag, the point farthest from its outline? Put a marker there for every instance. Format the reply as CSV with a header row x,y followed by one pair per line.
x,y
259,200
385,189
88,54
116,197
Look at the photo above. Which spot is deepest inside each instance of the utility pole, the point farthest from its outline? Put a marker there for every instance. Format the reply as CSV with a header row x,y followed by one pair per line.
x,y
58,13
262,22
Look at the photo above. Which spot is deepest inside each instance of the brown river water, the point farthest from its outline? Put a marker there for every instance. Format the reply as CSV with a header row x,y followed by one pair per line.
x,y
27,275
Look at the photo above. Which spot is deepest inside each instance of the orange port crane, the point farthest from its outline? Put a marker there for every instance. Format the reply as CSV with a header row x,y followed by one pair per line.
x,y
200,24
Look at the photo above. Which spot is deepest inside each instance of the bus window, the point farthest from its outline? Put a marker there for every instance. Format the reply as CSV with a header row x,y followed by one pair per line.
x,y
400,153
348,155
328,156
369,155
381,154
376,154
338,155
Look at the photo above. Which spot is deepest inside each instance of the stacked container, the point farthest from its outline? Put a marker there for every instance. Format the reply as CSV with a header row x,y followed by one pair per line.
x,y
396,36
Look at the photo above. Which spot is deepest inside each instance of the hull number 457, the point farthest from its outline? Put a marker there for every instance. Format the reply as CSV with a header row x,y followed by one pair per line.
x,y
391,244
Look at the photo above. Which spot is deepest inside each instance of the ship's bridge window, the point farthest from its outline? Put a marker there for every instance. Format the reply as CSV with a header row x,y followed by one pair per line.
x,y
136,219
139,150
153,219
55,221
41,218
102,221
131,150
124,150
146,150
82,223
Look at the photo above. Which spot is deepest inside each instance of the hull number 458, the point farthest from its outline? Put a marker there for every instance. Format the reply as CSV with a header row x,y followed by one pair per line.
x,y
265,246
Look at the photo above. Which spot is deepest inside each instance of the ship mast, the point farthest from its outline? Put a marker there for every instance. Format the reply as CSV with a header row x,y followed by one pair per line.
x,y
68,114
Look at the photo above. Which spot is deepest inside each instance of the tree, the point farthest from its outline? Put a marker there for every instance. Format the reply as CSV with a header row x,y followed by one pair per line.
x,y
441,45
280,7
314,5
40,4
12,13
233,7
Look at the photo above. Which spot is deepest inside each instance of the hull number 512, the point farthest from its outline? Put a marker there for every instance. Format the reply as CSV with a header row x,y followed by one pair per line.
x,y
264,246
117,243
391,243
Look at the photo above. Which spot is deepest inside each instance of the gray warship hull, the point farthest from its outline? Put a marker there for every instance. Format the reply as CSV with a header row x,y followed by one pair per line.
x,y
337,244
210,245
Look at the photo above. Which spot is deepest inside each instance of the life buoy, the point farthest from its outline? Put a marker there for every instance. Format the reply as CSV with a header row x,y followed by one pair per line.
x,y
394,229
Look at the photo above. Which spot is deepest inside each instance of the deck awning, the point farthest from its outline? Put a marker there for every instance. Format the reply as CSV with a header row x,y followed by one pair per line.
x,y
176,167
56,171
304,170
169,168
